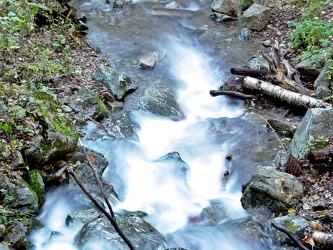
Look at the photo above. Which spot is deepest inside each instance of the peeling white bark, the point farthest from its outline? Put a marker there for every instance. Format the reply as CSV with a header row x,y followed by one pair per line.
x,y
282,94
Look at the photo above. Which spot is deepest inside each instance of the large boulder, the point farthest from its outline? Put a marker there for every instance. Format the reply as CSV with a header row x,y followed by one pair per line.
x,y
256,17
317,123
141,234
229,7
324,84
117,83
272,189
161,101
57,139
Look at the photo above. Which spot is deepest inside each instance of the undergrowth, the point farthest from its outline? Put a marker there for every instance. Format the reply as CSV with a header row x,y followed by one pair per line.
x,y
36,44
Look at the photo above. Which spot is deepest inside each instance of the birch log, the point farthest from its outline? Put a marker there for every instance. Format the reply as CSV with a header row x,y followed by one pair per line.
x,y
324,239
282,94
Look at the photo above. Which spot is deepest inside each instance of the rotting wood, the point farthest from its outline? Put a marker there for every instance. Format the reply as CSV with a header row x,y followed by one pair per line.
x,y
290,97
230,93
321,156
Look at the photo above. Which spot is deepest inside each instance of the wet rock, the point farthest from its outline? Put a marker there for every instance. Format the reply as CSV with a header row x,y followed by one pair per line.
x,y
323,84
117,83
57,138
247,3
99,161
160,100
296,225
216,212
87,105
248,141
78,219
124,126
245,34
141,234
316,122
282,127
310,68
256,17
218,17
148,61
114,106
229,7
272,189
173,160
37,184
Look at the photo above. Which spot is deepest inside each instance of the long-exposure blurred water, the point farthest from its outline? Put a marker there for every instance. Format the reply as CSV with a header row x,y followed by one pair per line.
x,y
192,59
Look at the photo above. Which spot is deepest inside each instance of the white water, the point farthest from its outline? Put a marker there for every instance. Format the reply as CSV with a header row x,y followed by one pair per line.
x,y
154,186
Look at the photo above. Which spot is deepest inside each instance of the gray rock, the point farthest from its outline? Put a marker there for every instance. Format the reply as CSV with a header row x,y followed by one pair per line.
x,y
229,7
310,68
296,225
114,106
216,212
148,61
124,126
161,101
248,3
117,83
323,85
18,195
141,234
272,189
87,105
256,17
257,63
245,34
78,219
316,122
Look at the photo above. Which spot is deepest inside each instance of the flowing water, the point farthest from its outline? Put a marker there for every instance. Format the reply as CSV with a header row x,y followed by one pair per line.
x,y
194,55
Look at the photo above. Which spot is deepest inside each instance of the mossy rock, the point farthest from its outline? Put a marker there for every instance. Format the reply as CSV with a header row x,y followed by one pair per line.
x,y
88,105
57,137
36,183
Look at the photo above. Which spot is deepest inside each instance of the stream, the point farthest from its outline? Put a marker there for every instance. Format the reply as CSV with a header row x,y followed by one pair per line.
x,y
194,57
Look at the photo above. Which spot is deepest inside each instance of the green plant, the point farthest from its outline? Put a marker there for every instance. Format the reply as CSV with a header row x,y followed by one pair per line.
x,y
315,143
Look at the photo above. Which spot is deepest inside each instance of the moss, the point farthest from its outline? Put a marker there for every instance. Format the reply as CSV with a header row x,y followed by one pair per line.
x,y
291,226
37,185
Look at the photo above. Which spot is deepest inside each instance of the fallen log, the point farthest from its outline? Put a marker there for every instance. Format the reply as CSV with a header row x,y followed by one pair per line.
x,y
290,97
230,93
321,156
323,239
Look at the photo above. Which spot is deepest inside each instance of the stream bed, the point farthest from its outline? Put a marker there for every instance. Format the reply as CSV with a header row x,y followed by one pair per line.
x,y
174,171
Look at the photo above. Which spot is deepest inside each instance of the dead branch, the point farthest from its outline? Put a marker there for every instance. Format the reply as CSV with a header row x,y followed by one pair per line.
x,y
291,236
248,72
323,239
110,217
230,93
290,97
